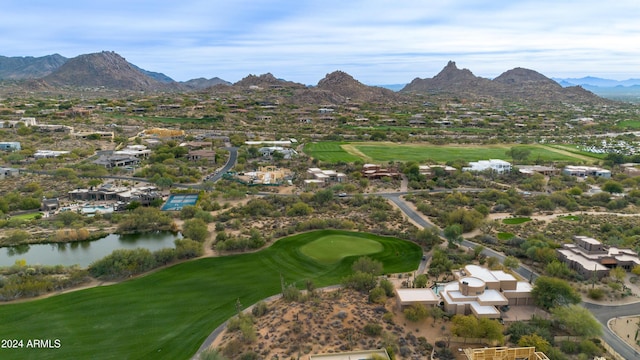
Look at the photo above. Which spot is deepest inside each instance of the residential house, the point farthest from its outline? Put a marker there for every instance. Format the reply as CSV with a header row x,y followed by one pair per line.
x,y
539,169
49,154
10,146
479,291
409,297
8,172
112,161
495,165
592,259
50,204
584,171
319,176
202,154
374,171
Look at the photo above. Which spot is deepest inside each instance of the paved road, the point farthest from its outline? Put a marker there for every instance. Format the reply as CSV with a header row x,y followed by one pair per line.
x,y
604,313
231,162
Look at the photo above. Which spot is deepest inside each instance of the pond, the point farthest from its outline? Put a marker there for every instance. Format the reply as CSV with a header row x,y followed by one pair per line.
x,y
84,253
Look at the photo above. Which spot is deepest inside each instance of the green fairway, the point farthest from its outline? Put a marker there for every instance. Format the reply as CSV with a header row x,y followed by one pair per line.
x,y
443,153
516,221
333,248
329,151
169,313
378,152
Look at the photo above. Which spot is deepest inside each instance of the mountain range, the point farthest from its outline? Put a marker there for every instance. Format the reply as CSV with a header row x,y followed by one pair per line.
x,y
111,71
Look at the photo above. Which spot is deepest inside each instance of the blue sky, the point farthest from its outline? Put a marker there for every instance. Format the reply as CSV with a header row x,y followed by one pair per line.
x,y
376,41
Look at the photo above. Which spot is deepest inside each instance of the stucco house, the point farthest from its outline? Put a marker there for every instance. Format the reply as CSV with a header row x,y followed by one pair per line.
x,y
480,291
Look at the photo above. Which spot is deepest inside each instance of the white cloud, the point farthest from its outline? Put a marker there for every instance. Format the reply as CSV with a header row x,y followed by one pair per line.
x,y
376,41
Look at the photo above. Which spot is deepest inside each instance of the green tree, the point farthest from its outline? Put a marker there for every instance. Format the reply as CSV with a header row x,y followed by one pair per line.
x,y
550,292
617,273
518,153
577,320
416,312
465,326
195,229
535,340
377,295
453,234
612,186
421,281
511,262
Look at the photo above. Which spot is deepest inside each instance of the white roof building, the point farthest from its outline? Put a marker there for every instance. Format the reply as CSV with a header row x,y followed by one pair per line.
x,y
497,165
479,291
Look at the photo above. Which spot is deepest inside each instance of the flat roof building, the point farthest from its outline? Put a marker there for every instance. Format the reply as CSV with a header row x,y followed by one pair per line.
x,y
408,297
479,290
590,258
496,165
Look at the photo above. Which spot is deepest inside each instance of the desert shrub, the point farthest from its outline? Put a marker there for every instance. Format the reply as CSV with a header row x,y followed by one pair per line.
x,y
291,293
377,295
589,348
388,287
260,309
373,329
249,356
416,312
595,294
388,318
123,263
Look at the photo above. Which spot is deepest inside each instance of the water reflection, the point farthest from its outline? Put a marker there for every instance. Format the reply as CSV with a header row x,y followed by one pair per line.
x,y
84,253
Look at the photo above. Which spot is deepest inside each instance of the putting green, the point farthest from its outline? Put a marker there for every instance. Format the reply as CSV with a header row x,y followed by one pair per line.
x,y
333,248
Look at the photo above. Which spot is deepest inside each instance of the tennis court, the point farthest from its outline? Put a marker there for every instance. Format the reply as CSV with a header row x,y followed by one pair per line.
x,y
178,201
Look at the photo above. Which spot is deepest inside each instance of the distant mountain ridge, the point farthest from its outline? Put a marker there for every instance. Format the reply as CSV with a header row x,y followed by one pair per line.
x,y
596,81
109,70
621,90
517,84
29,67
104,69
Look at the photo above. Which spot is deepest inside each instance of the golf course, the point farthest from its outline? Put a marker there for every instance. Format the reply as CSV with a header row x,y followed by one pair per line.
x,y
376,152
168,314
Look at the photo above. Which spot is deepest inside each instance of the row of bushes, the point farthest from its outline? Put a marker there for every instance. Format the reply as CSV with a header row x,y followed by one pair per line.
x,y
22,281
128,262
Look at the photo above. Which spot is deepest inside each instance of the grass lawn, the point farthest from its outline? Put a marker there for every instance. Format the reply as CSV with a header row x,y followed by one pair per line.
x,y
29,216
515,221
444,153
333,248
329,151
169,313
570,218
504,236
629,124
377,152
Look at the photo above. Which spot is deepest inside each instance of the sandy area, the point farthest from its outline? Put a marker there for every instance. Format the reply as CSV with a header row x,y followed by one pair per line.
x,y
628,329
334,322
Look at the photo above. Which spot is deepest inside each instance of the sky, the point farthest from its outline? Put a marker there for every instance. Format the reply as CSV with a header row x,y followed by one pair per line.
x,y
375,41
